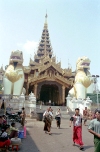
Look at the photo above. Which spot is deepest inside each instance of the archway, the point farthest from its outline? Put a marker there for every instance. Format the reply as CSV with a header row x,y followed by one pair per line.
x,y
49,93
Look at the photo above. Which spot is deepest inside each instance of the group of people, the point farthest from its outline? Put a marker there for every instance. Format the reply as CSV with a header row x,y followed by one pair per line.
x,y
48,117
76,121
88,114
93,128
9,131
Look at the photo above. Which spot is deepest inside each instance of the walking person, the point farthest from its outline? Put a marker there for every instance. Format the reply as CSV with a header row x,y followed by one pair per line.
x,y
52,114
58,118
77,128
94,128
47,121
94,114
90,115
23,115
85,115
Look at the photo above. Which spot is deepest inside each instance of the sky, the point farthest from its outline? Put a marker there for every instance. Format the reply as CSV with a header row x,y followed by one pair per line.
x,y
74,28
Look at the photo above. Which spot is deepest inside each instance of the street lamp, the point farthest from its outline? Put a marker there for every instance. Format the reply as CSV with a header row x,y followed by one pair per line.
x,y
95,81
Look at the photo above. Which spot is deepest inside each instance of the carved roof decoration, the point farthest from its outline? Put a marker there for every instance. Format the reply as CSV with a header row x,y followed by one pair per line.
x,y
27,69
33,63
67,72
43,68
58,78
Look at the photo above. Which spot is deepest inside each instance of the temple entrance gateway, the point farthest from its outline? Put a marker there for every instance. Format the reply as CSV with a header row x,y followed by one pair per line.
x,y
49,93
44,76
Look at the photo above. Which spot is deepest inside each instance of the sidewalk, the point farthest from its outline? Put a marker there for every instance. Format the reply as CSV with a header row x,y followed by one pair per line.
x,y
59,141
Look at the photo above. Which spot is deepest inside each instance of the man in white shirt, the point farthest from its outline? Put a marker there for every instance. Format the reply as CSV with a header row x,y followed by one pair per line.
x,y
77,128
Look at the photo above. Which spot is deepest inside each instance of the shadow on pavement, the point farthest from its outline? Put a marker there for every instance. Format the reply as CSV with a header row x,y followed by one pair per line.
x,y
30,126
87,147
28,145
65,128
56,133
59,128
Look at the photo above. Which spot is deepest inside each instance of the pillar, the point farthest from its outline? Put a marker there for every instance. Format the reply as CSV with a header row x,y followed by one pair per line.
x,y
27,87
60,95
63,94
35,89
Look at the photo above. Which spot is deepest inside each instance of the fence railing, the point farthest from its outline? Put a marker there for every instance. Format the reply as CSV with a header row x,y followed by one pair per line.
x,y
13,97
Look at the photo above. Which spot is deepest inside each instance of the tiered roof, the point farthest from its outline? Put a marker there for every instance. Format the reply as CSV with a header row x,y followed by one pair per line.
x,y
44,48
44,65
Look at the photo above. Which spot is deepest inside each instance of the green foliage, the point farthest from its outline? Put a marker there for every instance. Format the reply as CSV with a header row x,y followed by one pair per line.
x,y
93,97
0,87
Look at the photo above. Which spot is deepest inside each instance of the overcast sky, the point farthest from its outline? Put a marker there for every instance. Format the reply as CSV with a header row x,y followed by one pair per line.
x,y
74,28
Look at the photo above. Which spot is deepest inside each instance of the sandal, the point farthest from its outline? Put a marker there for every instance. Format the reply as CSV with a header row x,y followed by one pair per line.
x,y
46,132
81,148
50,133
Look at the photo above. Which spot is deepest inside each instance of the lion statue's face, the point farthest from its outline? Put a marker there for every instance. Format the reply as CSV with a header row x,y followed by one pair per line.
x,y
16,56
83,63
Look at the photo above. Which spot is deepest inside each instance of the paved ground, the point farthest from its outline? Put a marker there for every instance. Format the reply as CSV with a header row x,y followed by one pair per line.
x,y
59,141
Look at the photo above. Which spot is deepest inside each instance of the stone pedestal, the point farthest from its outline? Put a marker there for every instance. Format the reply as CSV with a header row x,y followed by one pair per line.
x,y
73,103
17,102
31,104
68,98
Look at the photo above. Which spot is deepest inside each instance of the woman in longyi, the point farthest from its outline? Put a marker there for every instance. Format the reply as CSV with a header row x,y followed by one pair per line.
x,y
47,121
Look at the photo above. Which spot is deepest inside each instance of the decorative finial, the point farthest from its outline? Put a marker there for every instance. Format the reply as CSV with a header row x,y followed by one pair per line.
x,y
46,18
57,59
46,15
68,63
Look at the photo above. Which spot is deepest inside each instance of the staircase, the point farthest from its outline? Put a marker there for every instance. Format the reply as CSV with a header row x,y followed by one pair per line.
x,y
63,109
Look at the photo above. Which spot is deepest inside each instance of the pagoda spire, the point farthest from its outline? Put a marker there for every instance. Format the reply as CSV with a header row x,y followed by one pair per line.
x,y
44,47
46,24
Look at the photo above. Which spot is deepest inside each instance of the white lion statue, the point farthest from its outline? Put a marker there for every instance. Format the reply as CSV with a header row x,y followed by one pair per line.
x,y
14,75
83,80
